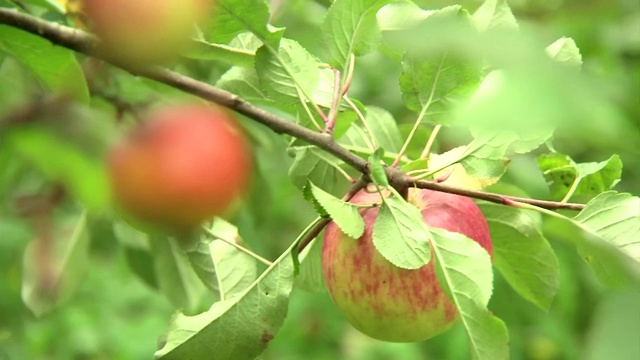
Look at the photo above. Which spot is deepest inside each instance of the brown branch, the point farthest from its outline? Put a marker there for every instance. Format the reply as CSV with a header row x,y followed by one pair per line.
x,y
496,198
86,43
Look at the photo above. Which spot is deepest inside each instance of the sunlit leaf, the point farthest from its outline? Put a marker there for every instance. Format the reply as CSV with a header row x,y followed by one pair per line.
x,y
237,328
350,27
464,271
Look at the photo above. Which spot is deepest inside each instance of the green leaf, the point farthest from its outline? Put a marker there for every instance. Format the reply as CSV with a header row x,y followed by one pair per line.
x,y
377,172
243,82
432,82
231,17
464,271
606,233
175,275
224,270
565,51
203,50
350,27
54,267
311,278
400,234
485,156
402,15
81,171
527,136
343,214
55,66
522,254
561,173
237,328
384,128
288,74
494,15
54,5
314,165
615,217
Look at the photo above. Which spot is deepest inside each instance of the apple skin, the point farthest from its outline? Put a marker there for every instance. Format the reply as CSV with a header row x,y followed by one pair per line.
x,y
386,302
140,32
184,165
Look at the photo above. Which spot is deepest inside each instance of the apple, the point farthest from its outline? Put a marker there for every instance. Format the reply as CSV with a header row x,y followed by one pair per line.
x,y
184,165
386,302
144,31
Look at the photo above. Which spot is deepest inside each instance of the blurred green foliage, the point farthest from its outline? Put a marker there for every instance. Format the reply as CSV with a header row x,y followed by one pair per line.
x,y
114,315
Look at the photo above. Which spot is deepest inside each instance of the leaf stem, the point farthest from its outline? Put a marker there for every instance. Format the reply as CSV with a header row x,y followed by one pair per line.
x,y
411,134
572,190
432,139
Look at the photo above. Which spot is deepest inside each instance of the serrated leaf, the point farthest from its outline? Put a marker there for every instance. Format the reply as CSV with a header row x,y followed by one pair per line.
x,y
565,51
494,15
343,214
225,270
377,172
237,328
400,234
176,278
350,27
315,165
561,172
232,17
55,66
288,73
53,267
522,254
464,271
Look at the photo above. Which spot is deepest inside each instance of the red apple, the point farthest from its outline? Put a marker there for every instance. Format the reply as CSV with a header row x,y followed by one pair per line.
x,y
144,31
185,164
386,302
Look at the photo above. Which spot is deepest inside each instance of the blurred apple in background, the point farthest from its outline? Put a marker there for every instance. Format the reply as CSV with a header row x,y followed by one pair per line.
x,y
183,165
142,32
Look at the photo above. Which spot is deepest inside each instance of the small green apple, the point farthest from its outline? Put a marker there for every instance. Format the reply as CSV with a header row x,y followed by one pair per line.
x,y
384,301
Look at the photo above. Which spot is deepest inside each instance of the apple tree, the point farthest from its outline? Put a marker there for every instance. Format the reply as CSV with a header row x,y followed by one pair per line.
x,y
440,148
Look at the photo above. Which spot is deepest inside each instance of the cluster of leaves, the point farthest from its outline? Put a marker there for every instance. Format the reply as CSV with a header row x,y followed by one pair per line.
x,y
458,71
